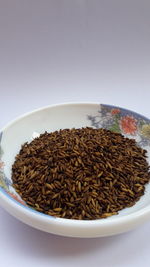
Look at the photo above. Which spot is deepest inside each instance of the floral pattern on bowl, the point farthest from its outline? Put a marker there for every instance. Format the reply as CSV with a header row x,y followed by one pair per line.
x,y
5,183
126,122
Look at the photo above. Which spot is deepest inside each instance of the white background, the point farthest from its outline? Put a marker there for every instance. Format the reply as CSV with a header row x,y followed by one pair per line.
x,y
60,51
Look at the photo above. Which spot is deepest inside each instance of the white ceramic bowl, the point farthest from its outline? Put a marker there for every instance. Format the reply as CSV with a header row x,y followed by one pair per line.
x,y
63,116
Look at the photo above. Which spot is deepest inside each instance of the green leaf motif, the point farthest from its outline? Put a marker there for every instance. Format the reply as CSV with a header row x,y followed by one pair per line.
x,y
115,128
2,182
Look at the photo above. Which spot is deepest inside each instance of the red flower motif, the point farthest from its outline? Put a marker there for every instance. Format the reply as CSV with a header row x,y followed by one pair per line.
x,y
128,125
16,198
115,111
1,164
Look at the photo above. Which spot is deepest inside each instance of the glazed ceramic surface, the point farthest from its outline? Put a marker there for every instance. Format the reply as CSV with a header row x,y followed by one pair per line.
x,y
76,115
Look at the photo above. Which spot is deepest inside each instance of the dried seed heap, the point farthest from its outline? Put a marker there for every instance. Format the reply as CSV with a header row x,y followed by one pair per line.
x,y
81,173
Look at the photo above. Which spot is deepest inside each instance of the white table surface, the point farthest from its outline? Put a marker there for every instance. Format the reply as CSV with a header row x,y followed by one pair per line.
x,y
69,51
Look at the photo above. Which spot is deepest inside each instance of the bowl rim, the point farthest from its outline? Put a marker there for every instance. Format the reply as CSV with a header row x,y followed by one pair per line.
x,y
13,204
65,104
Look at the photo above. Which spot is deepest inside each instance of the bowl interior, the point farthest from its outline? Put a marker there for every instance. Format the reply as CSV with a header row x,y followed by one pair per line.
x,y
24,129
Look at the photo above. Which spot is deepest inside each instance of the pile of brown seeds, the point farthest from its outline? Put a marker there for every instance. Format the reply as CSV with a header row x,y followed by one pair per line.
x,y
80,173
